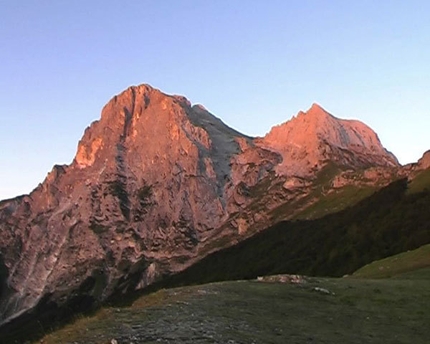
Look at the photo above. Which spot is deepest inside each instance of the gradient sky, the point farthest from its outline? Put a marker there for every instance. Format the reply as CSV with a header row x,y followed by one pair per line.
x,y
254,64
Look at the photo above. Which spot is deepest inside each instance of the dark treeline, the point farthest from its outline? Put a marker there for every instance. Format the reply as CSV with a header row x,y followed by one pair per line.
x,y
388,222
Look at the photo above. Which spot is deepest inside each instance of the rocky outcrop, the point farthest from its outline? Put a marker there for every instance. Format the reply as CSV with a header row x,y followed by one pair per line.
x,y
157,184
424,162
411,170
312,138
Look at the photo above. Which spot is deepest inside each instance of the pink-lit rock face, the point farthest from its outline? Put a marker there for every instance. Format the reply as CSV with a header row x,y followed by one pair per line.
x,y
155,184
147,186
314,137
424,162
413,169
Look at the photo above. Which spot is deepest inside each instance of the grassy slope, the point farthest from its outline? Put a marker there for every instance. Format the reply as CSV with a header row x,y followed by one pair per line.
x,y
420,183
403,264
355,311
323,199
388,222
374,305
335,201
355,294
360,309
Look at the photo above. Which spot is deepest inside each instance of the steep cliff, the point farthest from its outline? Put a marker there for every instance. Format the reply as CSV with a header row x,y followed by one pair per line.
x,y
156,185
313,138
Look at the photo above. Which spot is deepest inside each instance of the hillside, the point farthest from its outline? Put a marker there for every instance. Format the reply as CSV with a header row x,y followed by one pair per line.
x,y
364,308
313,310
400,265
390,221
157,184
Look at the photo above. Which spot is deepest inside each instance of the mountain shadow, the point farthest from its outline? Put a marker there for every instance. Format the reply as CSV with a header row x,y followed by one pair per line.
x,y
386,223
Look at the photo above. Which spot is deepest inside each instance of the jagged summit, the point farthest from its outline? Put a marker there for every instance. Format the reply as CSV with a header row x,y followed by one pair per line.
x,y
315,110
151,175
315,136
157,184
316,106
144,119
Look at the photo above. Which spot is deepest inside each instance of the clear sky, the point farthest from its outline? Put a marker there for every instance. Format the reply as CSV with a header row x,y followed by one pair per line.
x,y
254,64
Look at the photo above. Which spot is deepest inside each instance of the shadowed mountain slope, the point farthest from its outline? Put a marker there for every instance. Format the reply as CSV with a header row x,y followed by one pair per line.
x,y
158,184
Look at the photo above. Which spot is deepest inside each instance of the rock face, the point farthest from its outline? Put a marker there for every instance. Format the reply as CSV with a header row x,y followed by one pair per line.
x,y
157,184
314,137
412,170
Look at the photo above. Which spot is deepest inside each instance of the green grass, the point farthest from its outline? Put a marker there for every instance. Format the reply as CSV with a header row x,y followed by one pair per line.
x,y
386,223
420,183
354,311
406,263
335,201
391,310
319,202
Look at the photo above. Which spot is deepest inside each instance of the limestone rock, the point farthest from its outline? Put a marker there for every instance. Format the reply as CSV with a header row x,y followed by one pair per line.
x,y
424,162
314,137
156,185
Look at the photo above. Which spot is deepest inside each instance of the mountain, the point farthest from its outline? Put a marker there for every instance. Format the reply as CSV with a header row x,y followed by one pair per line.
x,y
392,220
268,310
157,184
314,137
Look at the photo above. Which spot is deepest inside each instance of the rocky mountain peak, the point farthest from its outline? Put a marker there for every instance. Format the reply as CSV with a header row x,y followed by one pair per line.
x,y
157,184
315,110
315,136
424,161
141,115
146,186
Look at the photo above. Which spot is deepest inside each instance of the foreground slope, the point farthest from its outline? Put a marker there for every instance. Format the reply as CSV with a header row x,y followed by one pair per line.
x,y
277,309
156,185
313,311
402,264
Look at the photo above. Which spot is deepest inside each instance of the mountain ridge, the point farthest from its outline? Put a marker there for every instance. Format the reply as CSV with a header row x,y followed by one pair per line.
x,y
156,185
316,135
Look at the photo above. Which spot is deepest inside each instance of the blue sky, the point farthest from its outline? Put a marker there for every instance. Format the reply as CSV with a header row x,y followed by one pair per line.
x,y
254,64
